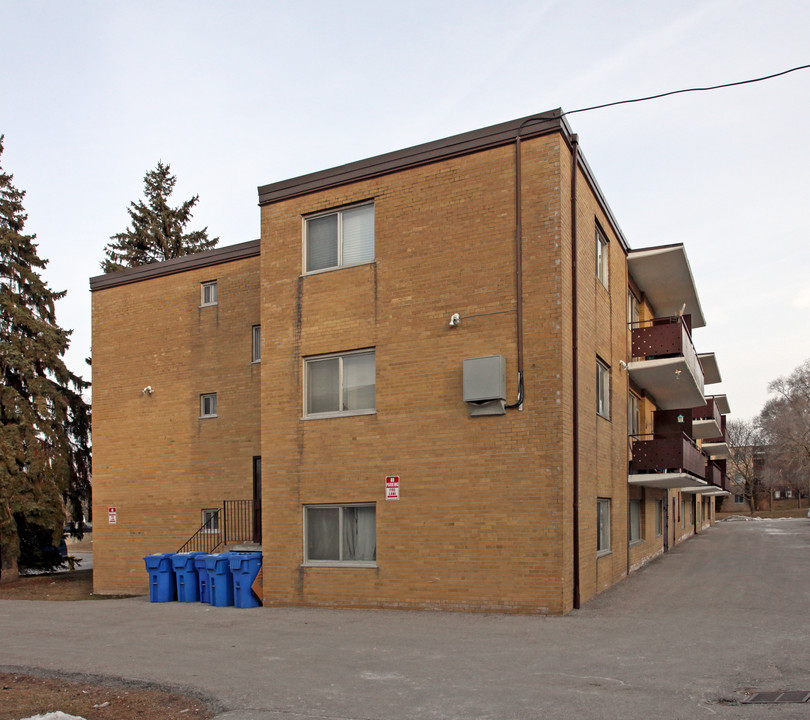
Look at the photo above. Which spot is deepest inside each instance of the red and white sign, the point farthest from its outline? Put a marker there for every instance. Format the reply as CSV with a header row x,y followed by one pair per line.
x,y
112,515
392,487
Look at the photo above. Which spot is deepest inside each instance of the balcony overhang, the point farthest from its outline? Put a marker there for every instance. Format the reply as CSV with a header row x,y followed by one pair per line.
x,y
669,380
716,450
707,490
664,276
702,429
711,372
667,480
717,492
722,405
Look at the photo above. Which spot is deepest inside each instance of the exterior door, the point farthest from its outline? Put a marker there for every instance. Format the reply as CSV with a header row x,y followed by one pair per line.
x,y
257,499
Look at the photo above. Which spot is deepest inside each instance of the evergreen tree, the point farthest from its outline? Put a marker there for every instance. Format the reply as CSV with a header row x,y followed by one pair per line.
x,y
158,230
44,421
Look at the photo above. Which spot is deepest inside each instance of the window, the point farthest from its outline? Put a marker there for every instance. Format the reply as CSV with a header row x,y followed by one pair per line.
x,y
603,526
210,521
340,384
336,239
602,389
256,352
633,414
340,534
635,521
208,293
739,499
633,309
659,518
208,405
683,513
602,257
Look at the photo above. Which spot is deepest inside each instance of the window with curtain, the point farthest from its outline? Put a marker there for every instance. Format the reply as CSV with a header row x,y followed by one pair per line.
x,y
602,389
341,384
339,238
341,534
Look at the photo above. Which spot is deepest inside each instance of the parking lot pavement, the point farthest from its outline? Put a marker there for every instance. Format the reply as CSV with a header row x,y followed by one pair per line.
x,y
690,635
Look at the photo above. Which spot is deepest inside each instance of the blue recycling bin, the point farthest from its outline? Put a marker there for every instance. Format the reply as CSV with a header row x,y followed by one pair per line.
x,y
186,576
162,587
203,583
245,567
220,579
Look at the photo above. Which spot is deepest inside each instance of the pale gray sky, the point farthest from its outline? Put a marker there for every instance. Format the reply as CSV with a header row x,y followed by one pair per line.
x,y
236,94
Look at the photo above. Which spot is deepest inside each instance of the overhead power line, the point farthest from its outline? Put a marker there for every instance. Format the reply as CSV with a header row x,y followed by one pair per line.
x,y
688,90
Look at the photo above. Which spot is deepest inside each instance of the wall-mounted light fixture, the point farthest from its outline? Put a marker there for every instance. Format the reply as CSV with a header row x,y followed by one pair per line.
x,y
147,390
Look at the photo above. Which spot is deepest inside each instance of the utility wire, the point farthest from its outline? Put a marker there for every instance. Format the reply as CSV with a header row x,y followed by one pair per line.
x,y
687,90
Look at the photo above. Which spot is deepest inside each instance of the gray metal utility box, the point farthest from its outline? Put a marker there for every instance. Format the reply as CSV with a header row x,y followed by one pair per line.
x,y
485,385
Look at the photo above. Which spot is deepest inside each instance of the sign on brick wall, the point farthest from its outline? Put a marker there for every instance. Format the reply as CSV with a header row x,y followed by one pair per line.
x,y
392,487
112,515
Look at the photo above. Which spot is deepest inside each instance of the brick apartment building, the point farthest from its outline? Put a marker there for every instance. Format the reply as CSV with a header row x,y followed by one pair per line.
x,y
463,315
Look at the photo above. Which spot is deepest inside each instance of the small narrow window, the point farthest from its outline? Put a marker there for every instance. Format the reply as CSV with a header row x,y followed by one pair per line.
x,y
208,292
339,238
635,521
210,521
256,354
659,518
603,525
208,405
602,389
633,415
340,534
633,309
602,271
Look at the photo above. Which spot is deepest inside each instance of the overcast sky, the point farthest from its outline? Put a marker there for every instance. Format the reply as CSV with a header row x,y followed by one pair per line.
x,y
236,94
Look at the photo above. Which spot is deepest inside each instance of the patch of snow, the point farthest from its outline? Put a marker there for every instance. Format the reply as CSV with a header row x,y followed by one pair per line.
x,y
741,518
54,716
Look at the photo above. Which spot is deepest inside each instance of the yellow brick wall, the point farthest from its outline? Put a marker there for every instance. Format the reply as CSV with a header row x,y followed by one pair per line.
x,y
154,459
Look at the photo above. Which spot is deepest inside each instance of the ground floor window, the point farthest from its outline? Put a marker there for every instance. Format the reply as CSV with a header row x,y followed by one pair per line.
x,y
635,521
659,518
210,520
603,525
739,499
336,534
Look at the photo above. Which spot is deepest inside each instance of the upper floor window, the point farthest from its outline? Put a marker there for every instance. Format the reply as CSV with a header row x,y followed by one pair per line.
x,y
602,389
208,405
633,309
339,238
602,270
340,384
208,293
256,352
633,414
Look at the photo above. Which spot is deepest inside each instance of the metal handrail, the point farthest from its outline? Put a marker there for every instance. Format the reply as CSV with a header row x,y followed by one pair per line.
x,y
208,538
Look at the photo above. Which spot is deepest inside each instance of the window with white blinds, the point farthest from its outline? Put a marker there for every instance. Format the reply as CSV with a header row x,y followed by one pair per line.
x,y
339,238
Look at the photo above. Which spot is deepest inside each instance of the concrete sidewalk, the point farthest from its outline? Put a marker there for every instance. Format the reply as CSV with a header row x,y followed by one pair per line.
x,y
720,616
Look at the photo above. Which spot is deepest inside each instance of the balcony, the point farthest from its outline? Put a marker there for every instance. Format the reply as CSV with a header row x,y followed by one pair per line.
x,y
665,363
706,421
716,448
667,461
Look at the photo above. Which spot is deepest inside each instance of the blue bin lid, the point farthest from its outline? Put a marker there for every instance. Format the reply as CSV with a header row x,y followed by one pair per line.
x,y
199,560
156,560
184,560
213,561
238,558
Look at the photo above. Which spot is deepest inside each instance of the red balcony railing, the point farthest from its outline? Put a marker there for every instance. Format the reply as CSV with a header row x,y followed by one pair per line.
x,y
709,411
667,453
666,337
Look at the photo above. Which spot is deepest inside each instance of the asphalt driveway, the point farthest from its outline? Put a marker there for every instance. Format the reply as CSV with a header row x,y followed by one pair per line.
x,y
691,635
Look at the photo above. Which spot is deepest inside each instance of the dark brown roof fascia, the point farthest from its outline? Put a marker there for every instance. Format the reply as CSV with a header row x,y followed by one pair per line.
x,y
217,256
464,144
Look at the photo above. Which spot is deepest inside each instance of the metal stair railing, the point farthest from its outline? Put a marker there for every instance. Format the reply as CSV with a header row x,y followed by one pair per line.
x,y
208,538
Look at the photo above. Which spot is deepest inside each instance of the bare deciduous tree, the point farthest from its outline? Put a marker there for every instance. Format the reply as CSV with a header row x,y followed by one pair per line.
x,y
744,465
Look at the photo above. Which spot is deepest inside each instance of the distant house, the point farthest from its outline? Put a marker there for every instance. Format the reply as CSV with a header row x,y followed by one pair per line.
x,y
441,379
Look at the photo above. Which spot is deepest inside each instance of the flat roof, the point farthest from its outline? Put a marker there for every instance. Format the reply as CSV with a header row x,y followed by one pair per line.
x,y
217,256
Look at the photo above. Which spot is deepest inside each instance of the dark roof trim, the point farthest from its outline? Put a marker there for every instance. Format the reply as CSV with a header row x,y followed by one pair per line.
x,y
435,151
218,256
464,144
